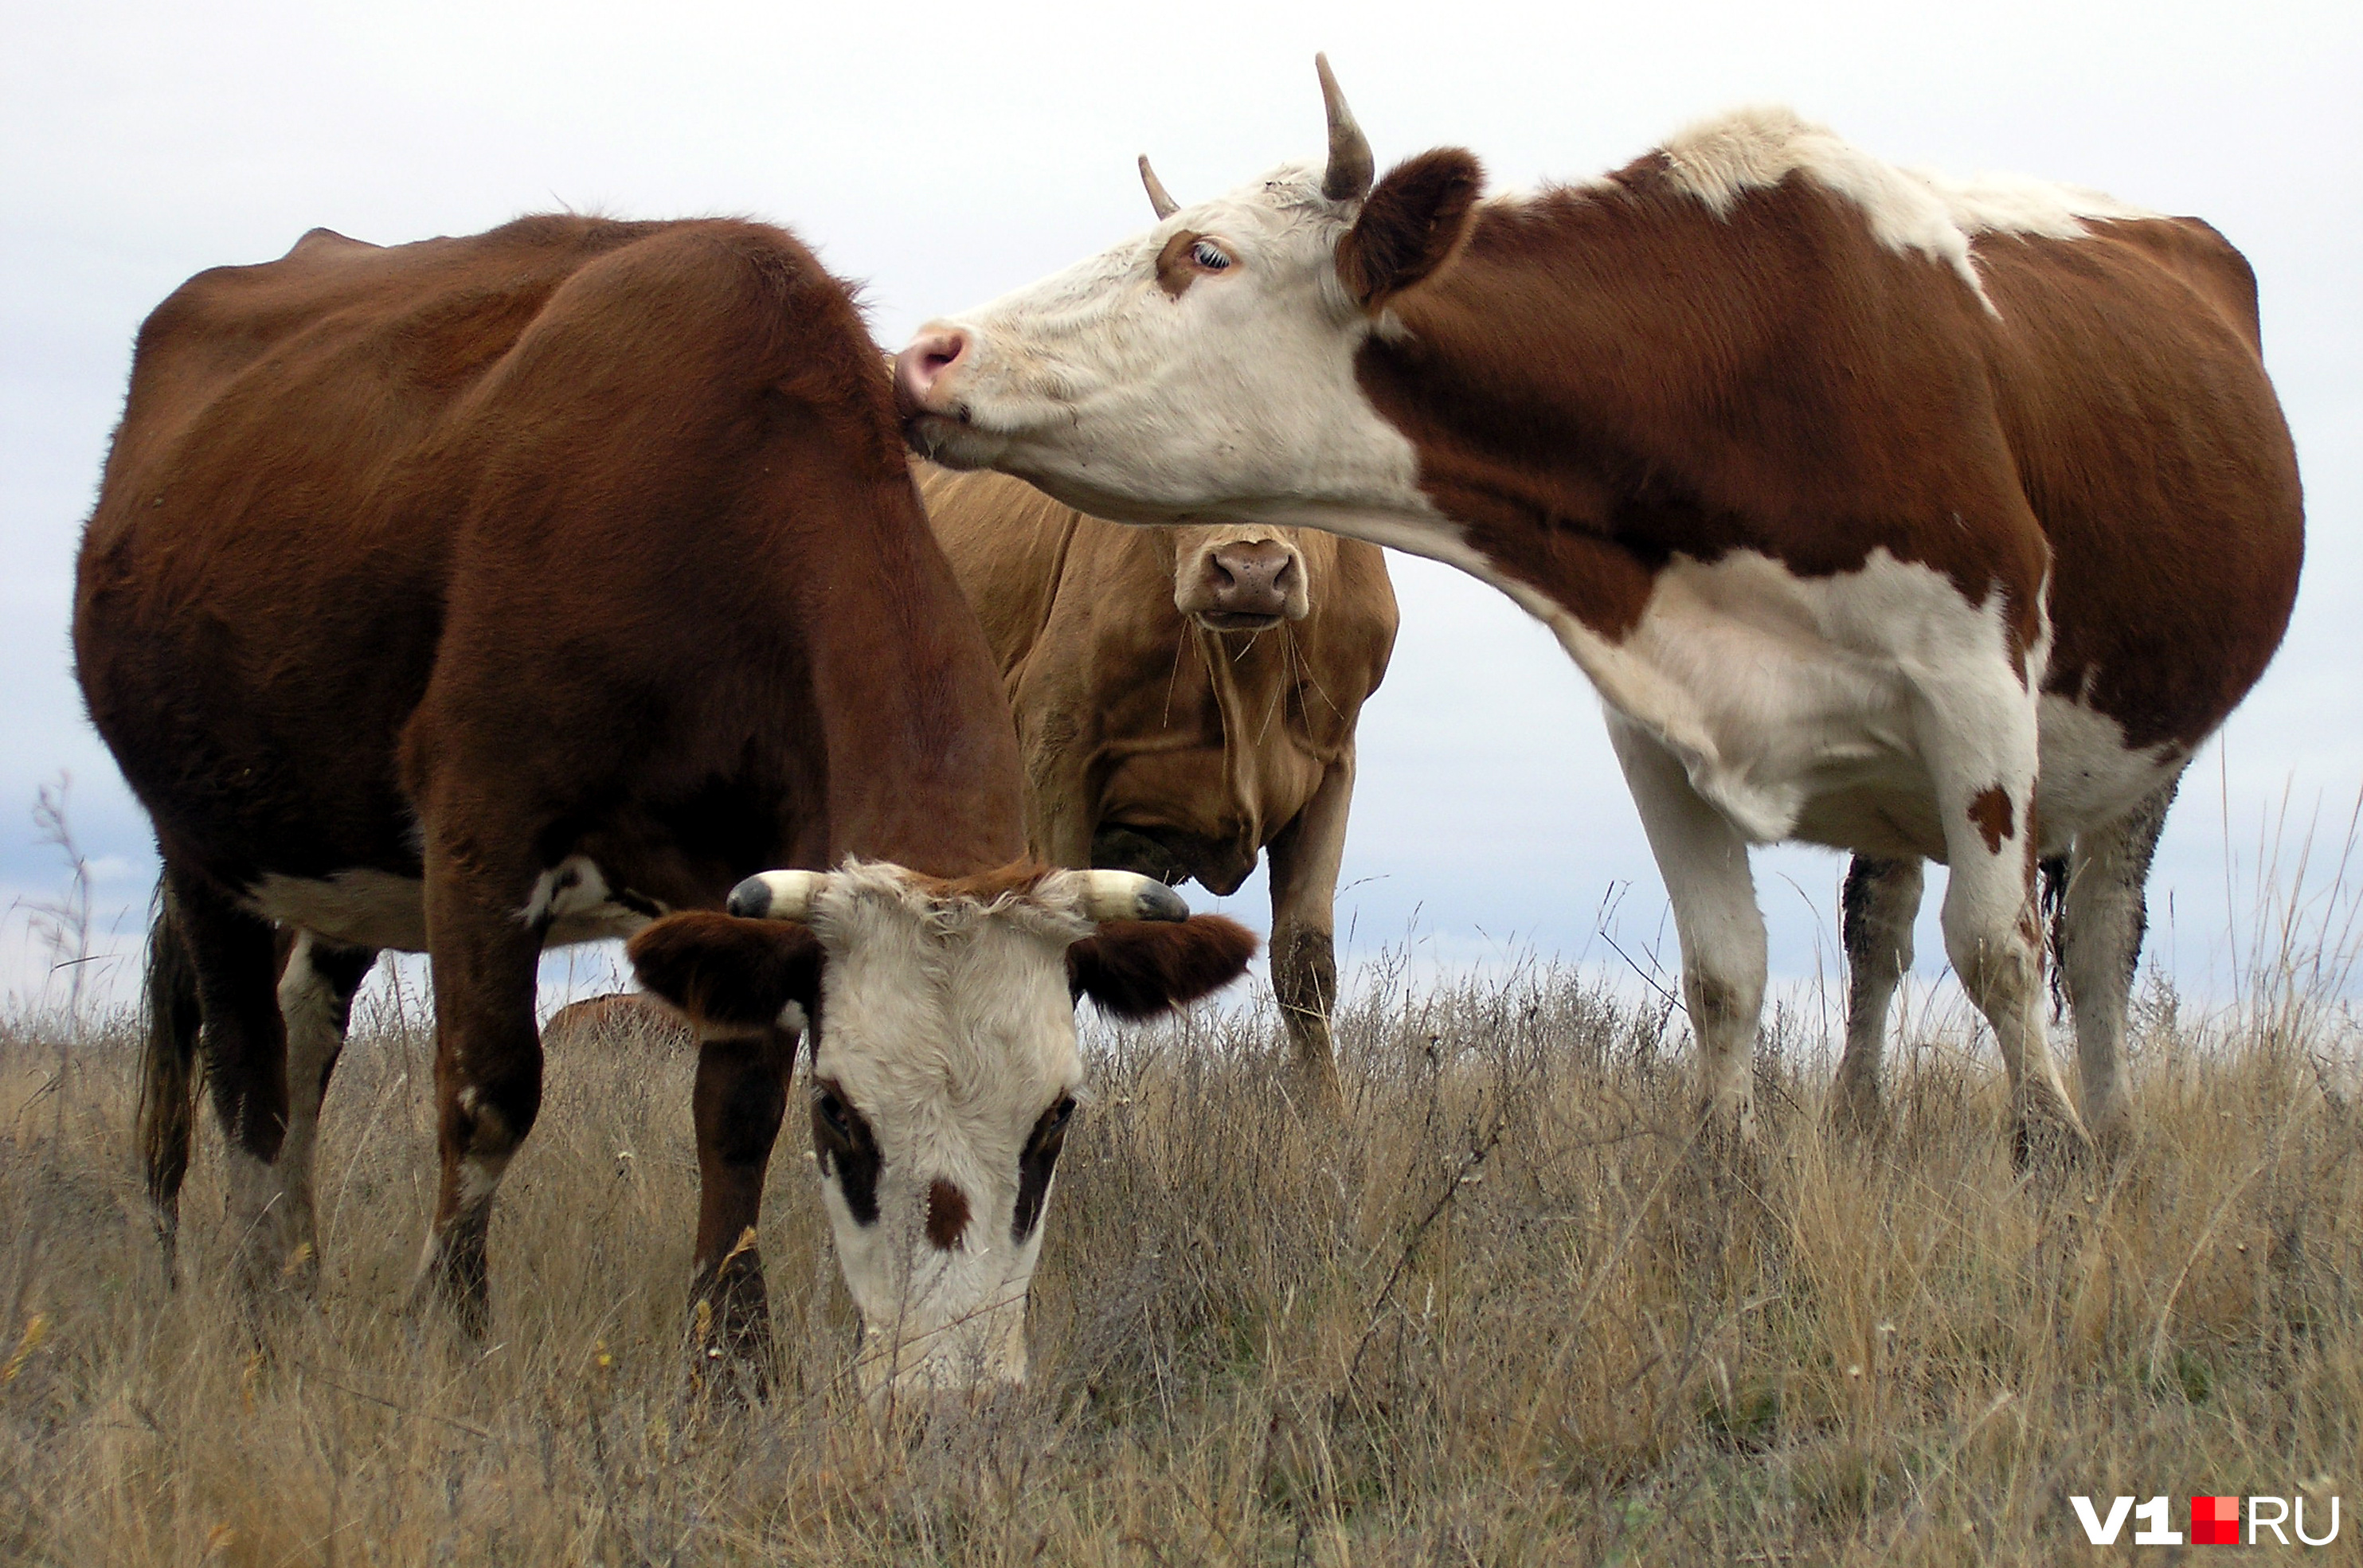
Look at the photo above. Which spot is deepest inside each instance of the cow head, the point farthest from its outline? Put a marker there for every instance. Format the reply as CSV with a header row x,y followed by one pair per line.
x,y
1242,577
944,1072
1207,366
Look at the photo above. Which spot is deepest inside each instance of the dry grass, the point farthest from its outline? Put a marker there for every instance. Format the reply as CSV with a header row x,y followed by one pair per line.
x,y
1503,1313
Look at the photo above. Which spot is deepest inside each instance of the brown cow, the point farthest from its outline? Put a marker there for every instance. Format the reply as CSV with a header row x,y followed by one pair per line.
x,y
618,1018
1921,518
480,594
1185,698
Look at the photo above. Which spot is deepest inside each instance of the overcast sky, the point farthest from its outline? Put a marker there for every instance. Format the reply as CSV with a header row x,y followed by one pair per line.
x,y
944,153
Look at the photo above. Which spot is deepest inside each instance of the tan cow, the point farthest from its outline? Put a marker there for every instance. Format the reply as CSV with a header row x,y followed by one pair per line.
x,y
1185,698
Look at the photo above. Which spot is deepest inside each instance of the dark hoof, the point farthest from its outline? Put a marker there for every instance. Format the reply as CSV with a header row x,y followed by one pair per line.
x,y
1859,1113
2047,1138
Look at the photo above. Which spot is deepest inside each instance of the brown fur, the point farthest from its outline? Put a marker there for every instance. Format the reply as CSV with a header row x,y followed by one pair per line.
x,y
1990,814
1137,969
947,1214
727,973
1412,224
1607,377
1175,270
597,1021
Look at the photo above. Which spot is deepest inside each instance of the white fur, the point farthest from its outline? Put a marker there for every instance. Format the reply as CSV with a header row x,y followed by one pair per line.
x,y
363,907
309,1005
574,898
947,1023
1722,158
1180,421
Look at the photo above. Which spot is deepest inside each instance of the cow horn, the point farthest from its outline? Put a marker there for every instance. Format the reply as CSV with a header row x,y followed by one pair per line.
x,y
1348,177
777,895
1160,201
1127,895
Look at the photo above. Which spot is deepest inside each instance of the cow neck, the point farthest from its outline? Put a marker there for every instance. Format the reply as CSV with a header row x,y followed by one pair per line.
x,y
1614,375
921,760
1241,738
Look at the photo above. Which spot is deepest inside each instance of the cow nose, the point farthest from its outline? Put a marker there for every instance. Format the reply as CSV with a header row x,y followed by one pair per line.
x,y
1251,577
921,367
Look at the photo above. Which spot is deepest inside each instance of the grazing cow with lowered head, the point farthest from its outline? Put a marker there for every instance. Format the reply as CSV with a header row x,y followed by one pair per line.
x,y
1921,519
1185,698
480,594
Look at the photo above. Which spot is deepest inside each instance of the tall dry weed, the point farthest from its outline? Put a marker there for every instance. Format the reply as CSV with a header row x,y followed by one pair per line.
x,y
1503,1310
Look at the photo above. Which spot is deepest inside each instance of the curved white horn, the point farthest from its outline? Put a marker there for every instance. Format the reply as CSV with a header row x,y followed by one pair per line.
x,y
1164,206
1348,177
1127,895
777,895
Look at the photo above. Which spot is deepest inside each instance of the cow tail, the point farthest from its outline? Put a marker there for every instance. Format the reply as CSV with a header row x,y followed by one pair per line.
x,y
2054,875
168,1077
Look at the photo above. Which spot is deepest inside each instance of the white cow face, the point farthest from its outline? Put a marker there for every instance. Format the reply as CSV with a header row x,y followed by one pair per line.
x,y
944,1073
1207,366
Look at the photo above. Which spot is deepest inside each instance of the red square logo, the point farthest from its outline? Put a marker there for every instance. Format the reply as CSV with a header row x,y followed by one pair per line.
x,y
2215,1521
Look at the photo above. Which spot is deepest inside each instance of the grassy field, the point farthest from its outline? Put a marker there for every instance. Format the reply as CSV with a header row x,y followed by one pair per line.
x,y
1502,1312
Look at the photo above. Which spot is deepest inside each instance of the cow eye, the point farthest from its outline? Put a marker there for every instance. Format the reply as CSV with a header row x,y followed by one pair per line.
x,y
1035,1166
1209,254
832,1110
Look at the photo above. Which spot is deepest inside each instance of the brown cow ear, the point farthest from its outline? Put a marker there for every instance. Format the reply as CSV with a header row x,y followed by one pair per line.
x,y
1411,225
1138,969
719,970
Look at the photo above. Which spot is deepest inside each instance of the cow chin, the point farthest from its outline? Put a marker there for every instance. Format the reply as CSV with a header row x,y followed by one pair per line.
x,y
933,1345
1217,621
953,442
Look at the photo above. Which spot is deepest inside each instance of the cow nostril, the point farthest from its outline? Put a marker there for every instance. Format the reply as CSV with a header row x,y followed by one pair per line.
x,y
947,1214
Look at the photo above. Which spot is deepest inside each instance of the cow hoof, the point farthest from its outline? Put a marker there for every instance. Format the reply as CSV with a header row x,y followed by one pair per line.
x,y
2047,1138
2114,1133
1858,1112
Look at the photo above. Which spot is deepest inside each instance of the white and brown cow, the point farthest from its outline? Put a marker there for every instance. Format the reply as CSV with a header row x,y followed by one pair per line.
x,y
1919,518
482,594
1186,698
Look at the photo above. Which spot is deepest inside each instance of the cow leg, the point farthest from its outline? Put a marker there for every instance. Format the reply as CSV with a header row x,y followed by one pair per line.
x,y
482,951
1881,901
740,1098
1305,856
234,955
2100,940
1704,862
315,1004
1983,759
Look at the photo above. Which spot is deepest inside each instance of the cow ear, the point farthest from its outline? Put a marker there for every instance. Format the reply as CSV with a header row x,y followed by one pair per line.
x,y
1410,225
1138,969
727,972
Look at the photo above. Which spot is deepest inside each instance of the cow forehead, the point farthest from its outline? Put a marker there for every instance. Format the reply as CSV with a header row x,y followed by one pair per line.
x,y
1284,207
946,1019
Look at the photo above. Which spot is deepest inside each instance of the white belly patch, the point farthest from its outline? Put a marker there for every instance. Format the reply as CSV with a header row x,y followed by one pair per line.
x,y
367,908
1794,703
361,908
